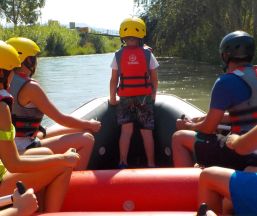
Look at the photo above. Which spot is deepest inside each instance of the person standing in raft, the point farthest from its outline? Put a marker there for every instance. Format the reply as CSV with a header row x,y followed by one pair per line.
x,y
51,173
31,104
234,92
134,79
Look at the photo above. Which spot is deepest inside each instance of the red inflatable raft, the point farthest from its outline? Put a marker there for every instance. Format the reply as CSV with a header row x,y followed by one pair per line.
x,y
159,191
104,190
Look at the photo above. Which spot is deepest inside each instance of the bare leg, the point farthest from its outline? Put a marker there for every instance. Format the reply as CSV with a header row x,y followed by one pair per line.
x,y
52,203
227,207
55,180
210,213
37,151
126,133
59,130
82,142
149,146
182,148
250,169
214,186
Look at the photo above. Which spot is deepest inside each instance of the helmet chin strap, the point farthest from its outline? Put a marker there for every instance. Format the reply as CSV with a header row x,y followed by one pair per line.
x,y
224,67
225,62
141,42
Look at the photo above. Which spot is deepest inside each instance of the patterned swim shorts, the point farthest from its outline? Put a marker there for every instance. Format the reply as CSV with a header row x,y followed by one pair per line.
x,y
138,109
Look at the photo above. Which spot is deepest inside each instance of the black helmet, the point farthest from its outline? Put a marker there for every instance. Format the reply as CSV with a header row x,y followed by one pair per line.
x,y
237,45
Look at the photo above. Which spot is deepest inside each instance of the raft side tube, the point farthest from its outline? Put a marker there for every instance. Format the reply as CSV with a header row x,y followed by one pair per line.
x,y
155,189
157,213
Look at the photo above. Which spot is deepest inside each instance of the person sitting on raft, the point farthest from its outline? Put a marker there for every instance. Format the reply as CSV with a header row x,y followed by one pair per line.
x,y
234,92
50,173
31,104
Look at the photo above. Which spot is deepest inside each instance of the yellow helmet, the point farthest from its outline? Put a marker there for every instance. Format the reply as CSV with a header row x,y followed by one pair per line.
x,y
133,27
9,57
24,46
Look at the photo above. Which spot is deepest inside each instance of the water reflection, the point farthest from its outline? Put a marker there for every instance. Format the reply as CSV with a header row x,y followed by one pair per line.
x,y
189,80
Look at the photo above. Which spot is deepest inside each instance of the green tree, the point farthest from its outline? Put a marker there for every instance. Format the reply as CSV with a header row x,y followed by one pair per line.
x,y
193,29
21,11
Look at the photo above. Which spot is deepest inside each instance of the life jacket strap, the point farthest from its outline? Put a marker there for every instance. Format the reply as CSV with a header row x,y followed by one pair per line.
x,y
135,77
26,126
243,122
243,112
145,85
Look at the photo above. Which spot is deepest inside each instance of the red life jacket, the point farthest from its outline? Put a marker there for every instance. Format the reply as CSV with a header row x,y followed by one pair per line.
x,y
243,117
134,74
27,121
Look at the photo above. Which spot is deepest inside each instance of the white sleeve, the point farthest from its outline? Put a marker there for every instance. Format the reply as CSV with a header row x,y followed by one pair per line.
x,y
114,64
153,62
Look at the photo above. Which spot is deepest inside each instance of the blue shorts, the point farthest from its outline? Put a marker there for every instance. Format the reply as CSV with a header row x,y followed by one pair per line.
x,y
243,192
138,109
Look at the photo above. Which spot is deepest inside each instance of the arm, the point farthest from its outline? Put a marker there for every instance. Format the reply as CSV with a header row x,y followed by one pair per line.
x,y
113,87
14,163
32,92
216,113
207,125
225,119
154,80
244,144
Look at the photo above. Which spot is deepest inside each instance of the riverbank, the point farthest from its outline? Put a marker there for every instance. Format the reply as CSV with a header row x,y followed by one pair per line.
x,y
56,40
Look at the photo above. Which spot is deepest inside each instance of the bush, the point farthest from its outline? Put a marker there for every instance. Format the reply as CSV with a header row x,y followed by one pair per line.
x,y
57,40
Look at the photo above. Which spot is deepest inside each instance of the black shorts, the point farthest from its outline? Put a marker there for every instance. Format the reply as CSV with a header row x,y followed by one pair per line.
x,y
211,150
34,144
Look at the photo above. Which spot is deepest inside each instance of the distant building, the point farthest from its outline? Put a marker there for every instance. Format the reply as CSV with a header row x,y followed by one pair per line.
x,y
72,25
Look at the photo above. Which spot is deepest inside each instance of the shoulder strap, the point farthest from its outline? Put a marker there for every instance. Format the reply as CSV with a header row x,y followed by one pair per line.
x,y
118,55
148,58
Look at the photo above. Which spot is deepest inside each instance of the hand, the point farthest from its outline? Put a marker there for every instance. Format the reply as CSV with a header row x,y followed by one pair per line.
x,y
183,124
196,165
198,119
71,158
113,101
231,140
154,96
21,202
94,125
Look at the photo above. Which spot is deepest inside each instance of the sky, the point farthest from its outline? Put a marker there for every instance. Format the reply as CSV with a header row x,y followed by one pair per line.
x,y
107,14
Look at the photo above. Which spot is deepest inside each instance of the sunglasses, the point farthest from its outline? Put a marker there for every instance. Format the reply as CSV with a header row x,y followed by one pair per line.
x,y
31,63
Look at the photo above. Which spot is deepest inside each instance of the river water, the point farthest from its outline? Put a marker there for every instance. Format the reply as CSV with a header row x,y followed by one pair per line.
x,y
71,81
